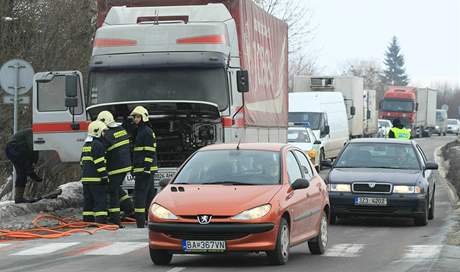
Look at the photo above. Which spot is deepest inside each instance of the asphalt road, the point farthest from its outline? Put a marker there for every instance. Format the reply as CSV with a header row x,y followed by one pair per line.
x,y
358,244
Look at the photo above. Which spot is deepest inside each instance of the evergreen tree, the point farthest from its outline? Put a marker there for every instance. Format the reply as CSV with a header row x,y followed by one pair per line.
x,y
395,72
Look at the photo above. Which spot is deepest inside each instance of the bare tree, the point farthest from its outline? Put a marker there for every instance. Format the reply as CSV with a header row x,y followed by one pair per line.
x,y
42,33
301,31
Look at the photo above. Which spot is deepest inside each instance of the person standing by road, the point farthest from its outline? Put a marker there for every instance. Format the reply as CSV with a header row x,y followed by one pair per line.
x,y
94,175
19,150
398,131
118,163
144,163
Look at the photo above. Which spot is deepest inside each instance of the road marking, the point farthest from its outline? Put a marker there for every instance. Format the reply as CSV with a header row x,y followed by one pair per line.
x,y
422,252
82,250
176,269
117,248
45,249
345,250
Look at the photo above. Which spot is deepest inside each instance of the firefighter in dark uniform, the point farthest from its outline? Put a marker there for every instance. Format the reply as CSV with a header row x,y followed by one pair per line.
x,y
118,163
19,150
94,174
144,164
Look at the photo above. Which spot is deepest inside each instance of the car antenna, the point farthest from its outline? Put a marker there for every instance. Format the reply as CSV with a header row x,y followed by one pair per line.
x,y
238,145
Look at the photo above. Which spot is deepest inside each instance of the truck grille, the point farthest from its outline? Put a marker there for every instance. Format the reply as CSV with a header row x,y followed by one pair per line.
x,y
371,187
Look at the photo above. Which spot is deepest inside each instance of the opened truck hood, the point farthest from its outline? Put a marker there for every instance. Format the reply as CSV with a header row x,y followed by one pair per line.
x,y
185,108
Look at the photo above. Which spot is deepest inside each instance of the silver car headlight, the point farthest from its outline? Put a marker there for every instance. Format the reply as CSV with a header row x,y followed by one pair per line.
x,y
161,212
405,189
253,213
338,187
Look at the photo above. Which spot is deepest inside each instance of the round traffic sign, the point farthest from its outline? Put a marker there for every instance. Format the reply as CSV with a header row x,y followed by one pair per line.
x,y
16,74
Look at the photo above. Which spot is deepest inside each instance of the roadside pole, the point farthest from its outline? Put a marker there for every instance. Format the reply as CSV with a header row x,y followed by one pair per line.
x,y
16,78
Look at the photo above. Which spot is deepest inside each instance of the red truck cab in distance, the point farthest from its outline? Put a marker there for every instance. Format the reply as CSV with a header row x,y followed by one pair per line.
x,y
399,103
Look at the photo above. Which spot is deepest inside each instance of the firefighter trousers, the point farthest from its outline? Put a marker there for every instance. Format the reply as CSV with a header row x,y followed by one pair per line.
x,y
95,202
126,204
114,197
143,193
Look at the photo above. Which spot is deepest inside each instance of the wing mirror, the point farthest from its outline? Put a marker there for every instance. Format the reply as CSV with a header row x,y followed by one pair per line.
x,y
326,163
243,81
300,184
431,166
164,182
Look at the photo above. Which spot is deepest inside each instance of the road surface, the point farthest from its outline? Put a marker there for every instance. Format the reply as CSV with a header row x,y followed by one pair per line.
x,y
363,244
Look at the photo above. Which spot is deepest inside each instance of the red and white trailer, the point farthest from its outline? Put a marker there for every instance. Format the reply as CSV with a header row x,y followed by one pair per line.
x,y
188,63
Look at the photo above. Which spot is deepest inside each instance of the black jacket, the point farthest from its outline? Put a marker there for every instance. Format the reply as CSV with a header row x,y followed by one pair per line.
x,y
144,154
21,146
93,162
118,151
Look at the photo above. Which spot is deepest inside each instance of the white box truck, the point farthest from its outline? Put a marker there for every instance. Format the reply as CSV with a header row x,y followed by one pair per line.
x,y
371,113
324,113
352,89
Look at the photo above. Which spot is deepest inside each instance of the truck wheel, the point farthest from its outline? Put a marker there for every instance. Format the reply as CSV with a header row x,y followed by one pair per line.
x,y
160,257
445,133
280,255
318,244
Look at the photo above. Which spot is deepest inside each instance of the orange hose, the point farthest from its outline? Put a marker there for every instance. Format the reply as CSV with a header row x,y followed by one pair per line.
x,y
64,227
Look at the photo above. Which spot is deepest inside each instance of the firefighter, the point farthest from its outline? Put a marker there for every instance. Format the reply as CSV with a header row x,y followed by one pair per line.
x,y
19,150
94,174
144,164
118,162
398,131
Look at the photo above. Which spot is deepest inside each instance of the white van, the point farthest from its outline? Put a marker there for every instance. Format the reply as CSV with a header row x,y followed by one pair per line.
x,y
325,114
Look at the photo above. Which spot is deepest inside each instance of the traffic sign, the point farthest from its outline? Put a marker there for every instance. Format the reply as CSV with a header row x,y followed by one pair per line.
x,y
16,74
9,99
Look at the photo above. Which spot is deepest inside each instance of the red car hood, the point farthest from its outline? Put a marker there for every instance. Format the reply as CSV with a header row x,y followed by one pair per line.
x,y
216,200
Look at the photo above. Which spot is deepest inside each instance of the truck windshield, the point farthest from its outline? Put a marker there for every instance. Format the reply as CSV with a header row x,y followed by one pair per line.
x,y
397,105
208,85
313,118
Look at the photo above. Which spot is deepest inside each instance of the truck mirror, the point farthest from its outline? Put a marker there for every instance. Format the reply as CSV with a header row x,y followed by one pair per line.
x,y
243,81
71,102
416,106
326,130
71,86
352,110
368,114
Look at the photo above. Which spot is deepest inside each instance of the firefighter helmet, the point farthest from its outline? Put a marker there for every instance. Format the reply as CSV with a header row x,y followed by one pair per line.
x,y
139,110
106,117
95,128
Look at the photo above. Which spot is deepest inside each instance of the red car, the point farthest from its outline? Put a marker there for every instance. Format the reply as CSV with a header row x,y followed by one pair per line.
x,y
240,198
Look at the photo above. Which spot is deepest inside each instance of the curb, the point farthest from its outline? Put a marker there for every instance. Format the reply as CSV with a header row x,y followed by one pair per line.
x,y
443,168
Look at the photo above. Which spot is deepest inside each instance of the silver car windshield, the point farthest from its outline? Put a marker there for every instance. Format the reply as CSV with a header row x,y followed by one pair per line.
x,y
378,155
233,167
